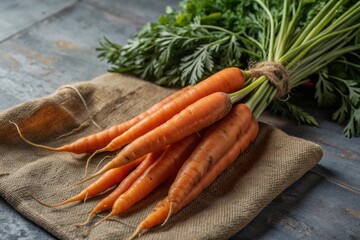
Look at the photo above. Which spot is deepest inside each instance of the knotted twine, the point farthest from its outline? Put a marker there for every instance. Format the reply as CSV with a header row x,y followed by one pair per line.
x,y
276,73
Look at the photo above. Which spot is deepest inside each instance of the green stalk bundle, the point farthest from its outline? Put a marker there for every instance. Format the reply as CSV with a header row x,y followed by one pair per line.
x,y
318,43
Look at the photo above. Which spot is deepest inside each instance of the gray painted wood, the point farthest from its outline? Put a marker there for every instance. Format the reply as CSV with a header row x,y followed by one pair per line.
x,y
341,159
60,50
17,15
45,44
14,226
312,208
135,9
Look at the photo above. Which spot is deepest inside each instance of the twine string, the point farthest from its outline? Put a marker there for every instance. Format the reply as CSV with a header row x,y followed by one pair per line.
x,y
275,72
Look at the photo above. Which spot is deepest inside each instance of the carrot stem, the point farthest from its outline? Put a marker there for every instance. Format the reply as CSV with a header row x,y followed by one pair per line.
x,y
237,96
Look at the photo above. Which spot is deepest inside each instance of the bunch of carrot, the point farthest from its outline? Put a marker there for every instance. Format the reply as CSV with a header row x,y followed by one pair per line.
x,y
190,137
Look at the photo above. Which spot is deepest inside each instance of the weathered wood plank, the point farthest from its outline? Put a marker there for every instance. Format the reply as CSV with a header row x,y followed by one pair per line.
x,y
14,226
134,10
324,204
312,208
17,15
341,155
58,51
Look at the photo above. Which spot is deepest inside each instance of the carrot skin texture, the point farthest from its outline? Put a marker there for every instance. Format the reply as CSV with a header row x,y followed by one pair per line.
x,y
192,119
228,80
156,217
217,140
93,142
240,146
103,183
110,178
162,169
108,201
162,208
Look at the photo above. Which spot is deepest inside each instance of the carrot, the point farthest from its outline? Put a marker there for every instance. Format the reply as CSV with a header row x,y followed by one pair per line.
x,y
156,217
217,140
227,81
195,117
106,181
161,211
108,201
99,140
162,169
239,146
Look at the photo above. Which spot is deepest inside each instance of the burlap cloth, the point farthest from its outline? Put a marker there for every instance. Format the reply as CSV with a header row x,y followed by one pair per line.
x,y
271,164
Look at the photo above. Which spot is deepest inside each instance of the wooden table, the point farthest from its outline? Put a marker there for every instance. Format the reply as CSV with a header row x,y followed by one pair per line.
x,y
46,44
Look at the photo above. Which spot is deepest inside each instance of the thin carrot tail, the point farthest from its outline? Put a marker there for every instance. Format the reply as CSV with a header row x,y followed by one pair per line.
x,y
32,143
87,221
86,197
96,174
110,165
100,162
85,234
139,231
59,150
70,200
89,159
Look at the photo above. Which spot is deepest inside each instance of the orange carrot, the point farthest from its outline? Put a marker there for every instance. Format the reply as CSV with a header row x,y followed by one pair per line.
x,y
227,81
99,140
106,181
217,140
240,145
162,169
195,117
157,216
108,201
161,211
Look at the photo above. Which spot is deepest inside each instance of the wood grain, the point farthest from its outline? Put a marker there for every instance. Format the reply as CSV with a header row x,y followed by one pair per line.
x,y
58,51
46,44
18,15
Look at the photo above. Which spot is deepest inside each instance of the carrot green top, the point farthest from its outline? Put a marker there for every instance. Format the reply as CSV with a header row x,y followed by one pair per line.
x,y
317,41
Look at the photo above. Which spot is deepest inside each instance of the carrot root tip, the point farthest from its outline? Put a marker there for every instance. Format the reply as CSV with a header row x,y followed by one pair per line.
x,y
30,142
86,179
168,216
97,166
87,221
91,157
47,205
86,197
88,162
138,232
97,224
